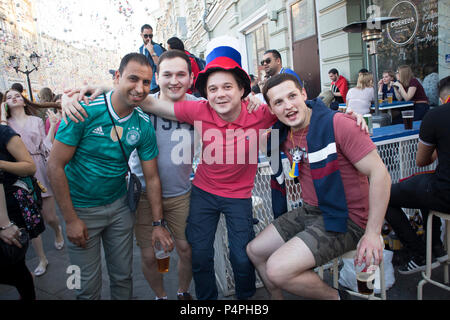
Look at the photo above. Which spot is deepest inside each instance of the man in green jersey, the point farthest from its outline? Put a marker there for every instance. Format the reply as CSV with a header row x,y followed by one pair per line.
x,y
87,169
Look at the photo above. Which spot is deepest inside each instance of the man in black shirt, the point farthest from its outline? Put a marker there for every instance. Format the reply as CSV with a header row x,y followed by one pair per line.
x,y
425,191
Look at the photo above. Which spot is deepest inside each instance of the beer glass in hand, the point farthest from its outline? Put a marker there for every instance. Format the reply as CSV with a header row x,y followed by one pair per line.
x,y
365,278
162,257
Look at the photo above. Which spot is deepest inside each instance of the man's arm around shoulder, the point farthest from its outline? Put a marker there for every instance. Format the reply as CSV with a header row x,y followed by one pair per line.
x,y
60,155
161,108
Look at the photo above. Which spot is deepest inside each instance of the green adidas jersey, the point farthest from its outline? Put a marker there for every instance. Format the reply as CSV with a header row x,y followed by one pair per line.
x,y
97,171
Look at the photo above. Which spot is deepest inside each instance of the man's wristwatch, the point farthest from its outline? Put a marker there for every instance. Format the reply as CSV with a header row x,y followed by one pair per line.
x,y
154,55
161,222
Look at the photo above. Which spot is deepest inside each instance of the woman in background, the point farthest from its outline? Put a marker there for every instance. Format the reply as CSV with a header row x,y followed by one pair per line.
x,y
409,88
15,161
385,85
16,112
360,98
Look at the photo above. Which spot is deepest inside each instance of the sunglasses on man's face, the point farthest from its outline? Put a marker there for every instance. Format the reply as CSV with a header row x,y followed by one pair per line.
x,y
148,36
268,60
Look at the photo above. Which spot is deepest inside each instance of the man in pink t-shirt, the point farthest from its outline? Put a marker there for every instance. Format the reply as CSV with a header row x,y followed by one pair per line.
x,y
230,149
286,252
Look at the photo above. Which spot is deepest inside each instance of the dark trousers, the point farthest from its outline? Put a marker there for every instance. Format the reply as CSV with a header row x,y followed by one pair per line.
x,y
18,276
204,213
415,192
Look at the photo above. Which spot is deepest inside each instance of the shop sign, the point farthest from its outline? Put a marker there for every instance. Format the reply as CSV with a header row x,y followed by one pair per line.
x,y
403,30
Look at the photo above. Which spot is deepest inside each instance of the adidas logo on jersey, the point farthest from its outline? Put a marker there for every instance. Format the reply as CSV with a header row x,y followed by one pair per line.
x,y
99,131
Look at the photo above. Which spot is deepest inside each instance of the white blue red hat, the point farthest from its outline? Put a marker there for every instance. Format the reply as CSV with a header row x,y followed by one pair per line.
x,y
223,53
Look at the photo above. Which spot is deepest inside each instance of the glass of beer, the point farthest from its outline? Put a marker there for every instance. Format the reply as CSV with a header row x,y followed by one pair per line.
x,y
408,117
365,279
162,257
380,98
390,97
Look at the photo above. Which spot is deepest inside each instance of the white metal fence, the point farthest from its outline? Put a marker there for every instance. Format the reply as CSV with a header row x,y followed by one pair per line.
x,y
398,155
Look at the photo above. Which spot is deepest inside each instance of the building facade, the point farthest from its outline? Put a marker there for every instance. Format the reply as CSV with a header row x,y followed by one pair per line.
x,y
309,35
61,66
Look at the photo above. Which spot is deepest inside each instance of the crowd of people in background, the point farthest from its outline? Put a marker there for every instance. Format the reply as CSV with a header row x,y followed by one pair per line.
x,y
401,85
41,157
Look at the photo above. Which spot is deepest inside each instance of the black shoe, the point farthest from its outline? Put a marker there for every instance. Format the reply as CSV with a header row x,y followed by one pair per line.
x,y
401,257
344,295
184,296
439,253
416,264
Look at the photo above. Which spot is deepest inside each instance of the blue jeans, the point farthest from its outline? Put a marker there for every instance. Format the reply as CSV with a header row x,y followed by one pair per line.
x,y
111,225
204,214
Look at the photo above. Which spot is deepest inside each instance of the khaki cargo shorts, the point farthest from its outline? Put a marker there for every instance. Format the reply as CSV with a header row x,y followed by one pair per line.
x,y
175,212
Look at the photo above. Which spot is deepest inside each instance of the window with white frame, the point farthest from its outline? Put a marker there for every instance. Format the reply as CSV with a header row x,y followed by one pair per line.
x,y
257,42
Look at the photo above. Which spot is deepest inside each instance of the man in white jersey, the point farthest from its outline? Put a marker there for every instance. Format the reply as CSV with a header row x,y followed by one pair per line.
x,y
175,142
87,169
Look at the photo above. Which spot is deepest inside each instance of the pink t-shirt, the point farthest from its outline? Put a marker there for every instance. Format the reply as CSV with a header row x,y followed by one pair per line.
x,y
230,149
352,145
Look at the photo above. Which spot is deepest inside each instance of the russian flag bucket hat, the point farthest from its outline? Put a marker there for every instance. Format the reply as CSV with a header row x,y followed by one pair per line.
x,y
222,53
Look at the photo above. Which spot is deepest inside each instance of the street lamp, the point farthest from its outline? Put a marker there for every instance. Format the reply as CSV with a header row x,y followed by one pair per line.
x,y
14,62
371,31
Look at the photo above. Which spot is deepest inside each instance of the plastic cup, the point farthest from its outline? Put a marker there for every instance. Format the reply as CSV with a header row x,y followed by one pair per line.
x,y
390,97
408,117
162,257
